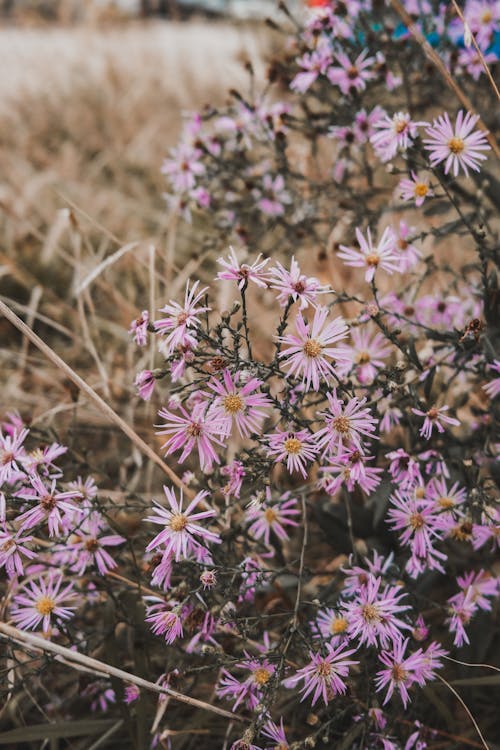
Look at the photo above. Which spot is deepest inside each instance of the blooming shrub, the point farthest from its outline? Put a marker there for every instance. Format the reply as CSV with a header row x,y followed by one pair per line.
x,y
330,549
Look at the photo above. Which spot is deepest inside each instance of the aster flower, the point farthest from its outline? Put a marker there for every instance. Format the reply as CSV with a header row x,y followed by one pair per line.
x,y
12,455
401,671
190,431
182,320
294,285
417,189
242,272
40,602
368,351
86,547
313,64
493,387
409,255
372,256
12,551
324,675
51,505
276,733
41,460
332,625
145,383
270,517
351,76
404,470
243,405
236,472
309,350
358,577
364,123
393,134
139,329
447,500
250,688
350,468
345,425
296,447
433,418
373,614
164,620
459,146
182,532
273,197
184,167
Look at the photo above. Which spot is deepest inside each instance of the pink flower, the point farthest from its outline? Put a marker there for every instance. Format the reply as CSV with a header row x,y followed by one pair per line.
x,y
236,472
313,64
294,286
12,455
364,124
394,134
272,517
50,505
277,734
417,189
409,255
190,431
145,383
296,448
459,146
273,197
250,689
433,418
309,351
184,167
85,547
350,77
493,387
12,550
164,621
368,352
373,614
372,257
242,272
332,625
345,425
41,603
401,672
132,693
182,533
349,468
139,329
323,676
404,470
182,320
242,405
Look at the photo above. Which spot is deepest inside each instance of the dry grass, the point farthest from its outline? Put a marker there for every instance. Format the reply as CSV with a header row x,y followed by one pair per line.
x,y
86,118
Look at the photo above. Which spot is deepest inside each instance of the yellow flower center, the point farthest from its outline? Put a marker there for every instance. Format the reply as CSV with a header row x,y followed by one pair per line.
x,y
45,605
7,545
324,669
312,348
270,515
456,145
194,430
261,676
292,445
486,16
362,358
233,403
416,521
420,493
178,522
398,674
339,625
372,260
420,189
341,424
400,126
91,545
446,503
370,613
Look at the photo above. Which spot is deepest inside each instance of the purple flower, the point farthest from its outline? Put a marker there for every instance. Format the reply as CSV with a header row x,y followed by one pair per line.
x,y
323,676
12,455
372,256
296,447
139,329
433,418
373,614
51,504
459,146
12,550
145,383
190,431
393,135
242,272
351,76
309,351
86,546
417,189
345,425
182,320
272,517
164,621
243,405
40,602
182,533
295,285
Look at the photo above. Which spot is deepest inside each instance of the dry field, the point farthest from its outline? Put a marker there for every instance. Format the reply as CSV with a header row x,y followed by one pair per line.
x,y
86,118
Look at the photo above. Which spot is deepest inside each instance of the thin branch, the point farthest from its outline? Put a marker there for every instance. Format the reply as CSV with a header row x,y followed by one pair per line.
x,y
74,658
459,698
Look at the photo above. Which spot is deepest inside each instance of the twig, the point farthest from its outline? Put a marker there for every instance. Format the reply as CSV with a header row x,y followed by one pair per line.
x,y
74,658
111,731
103,406
459,698
434,58
478,50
